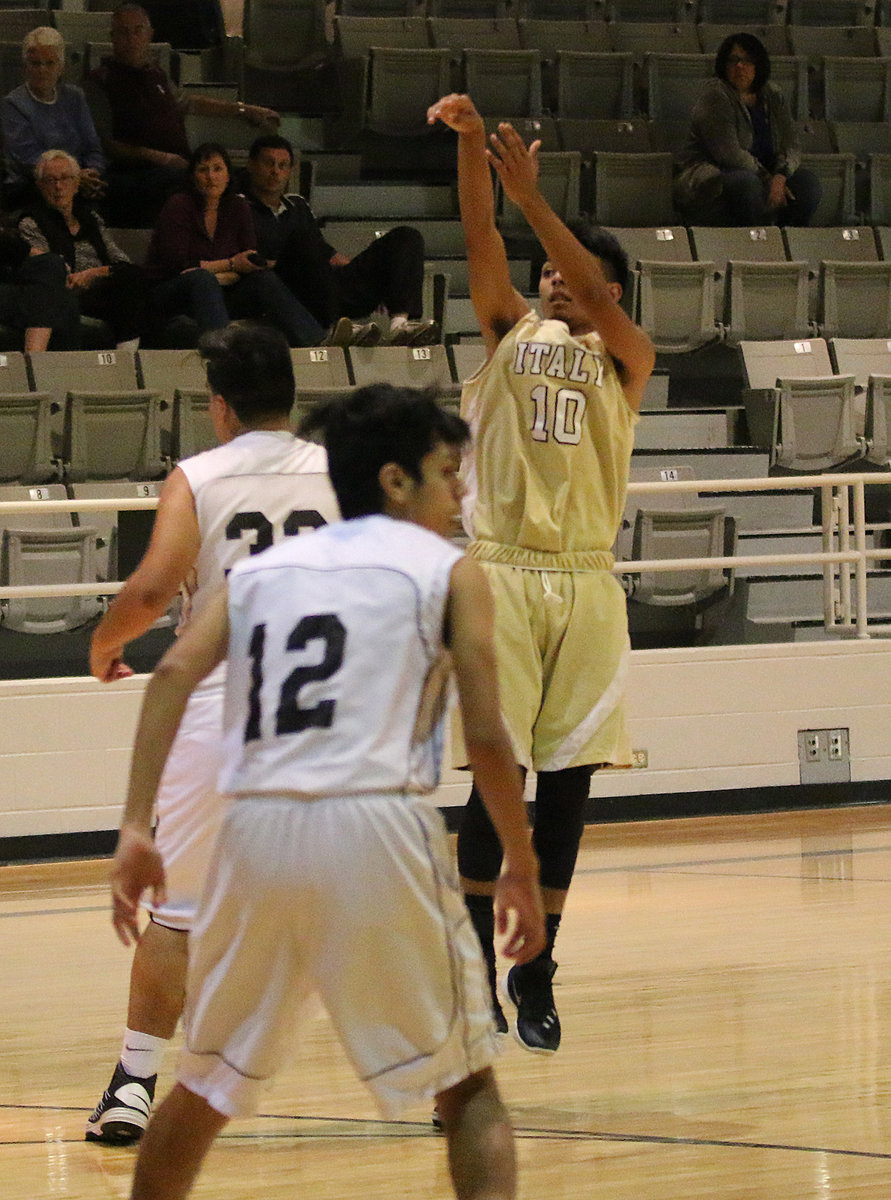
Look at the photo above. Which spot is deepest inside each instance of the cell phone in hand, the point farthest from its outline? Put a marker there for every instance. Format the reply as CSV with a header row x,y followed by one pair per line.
x,y
256,259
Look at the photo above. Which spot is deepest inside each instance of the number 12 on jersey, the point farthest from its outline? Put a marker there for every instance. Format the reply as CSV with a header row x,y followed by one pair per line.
x,y
290,715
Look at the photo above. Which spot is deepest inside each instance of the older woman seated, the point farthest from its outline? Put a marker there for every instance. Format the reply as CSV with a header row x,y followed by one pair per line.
x,y
203,255
46,114
103,280
742,165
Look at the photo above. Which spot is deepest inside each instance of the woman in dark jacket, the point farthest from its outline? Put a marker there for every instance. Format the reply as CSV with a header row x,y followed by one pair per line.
x,y
742,165
203,255
102,279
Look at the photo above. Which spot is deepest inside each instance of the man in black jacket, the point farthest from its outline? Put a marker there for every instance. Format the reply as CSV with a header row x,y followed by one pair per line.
x,y
387,275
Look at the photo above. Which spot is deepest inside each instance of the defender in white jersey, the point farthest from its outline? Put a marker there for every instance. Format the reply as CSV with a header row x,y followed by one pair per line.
x,y
552,411
260,485
332,873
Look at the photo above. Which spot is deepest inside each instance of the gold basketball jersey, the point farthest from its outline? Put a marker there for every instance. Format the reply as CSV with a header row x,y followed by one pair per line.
x,y
552,440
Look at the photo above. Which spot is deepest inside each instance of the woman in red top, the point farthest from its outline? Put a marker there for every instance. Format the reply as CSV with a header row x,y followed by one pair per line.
x,y
202,255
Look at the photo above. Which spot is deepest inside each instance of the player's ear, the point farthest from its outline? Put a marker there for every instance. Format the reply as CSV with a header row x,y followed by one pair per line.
x,y
615,290
394,481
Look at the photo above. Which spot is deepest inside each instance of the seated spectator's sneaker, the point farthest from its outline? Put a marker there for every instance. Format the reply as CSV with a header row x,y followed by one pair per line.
x,y
414,333
122,1114
530,988
340,333
366,335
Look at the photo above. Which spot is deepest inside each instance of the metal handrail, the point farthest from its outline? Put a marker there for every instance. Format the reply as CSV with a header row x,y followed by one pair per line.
x,y
843,564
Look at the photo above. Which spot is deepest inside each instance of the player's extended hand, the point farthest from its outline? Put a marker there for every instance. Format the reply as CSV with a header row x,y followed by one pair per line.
x,y
457,111
108,665
519,915
515,163
136,867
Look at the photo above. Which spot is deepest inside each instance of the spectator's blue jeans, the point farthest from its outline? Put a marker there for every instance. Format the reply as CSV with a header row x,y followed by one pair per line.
x,y
744,198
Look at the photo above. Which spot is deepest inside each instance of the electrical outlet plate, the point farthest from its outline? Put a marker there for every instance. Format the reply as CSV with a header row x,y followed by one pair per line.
x,y
824,755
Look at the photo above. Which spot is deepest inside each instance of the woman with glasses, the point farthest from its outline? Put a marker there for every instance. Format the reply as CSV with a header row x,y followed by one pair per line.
x,y
742,164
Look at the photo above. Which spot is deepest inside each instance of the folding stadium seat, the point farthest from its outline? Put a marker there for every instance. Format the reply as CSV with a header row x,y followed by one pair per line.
x,y
47,556
669,137
743,12
831,12
766,300
815,137
862,138
402,86
815,425
633,189
14,372
673,83
838,41
83,370
559,178
467,358
563,34
94,52
354,36
78,29
677,305
836,175
665,244
319,369
640,38
112,435
122,534
459,33
839,244
594,85
878,419
504,82
773,37
617,137
18,21
857,89
763,243
403,366
789,73
441,237
680,533
674,11
766,362
280,37
861,357
855,299
26,452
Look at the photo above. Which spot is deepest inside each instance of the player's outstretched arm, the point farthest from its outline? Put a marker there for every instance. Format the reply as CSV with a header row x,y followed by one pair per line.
x,y
517,893
171,554
517,167
137,865
497,304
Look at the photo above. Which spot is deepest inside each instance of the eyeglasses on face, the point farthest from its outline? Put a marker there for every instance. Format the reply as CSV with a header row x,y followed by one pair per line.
x,y
738,60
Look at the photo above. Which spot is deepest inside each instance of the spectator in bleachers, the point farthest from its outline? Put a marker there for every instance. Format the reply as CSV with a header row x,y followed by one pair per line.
x,y
742,165
102,279
44,113
34,296
140,116
388,274
203,255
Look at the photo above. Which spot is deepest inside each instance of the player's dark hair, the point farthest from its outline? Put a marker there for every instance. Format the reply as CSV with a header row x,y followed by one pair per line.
x,y
270,141
374,425
751,46
250,366
604,246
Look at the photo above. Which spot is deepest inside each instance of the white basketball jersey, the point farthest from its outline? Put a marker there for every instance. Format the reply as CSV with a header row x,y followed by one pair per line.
x,y
336,664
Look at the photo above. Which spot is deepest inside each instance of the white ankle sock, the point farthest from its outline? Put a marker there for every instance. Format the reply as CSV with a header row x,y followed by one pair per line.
x,y
141,1053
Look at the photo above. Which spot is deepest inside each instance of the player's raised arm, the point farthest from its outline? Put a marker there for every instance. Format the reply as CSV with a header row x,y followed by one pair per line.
x,y
517,168
497,304
137,864
491,756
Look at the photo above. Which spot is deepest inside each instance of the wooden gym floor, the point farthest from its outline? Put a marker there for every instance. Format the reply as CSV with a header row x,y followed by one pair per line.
x,y
725,993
